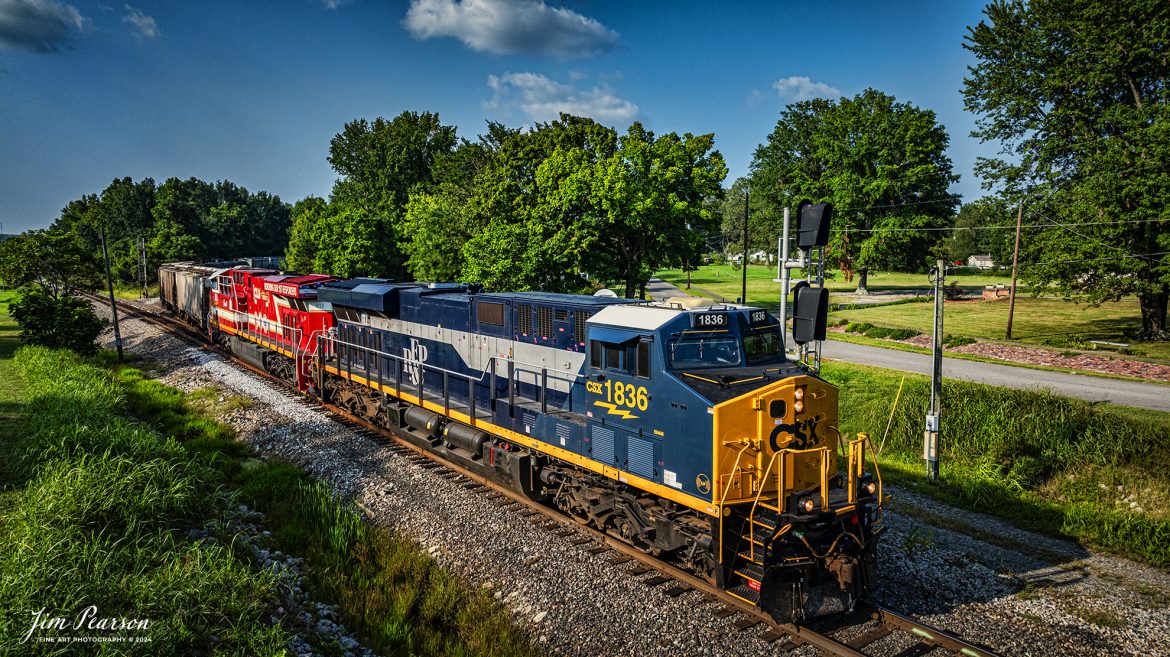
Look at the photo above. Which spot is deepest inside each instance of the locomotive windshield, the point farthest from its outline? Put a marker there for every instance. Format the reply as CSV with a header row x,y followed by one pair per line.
x,y
763,347
704,351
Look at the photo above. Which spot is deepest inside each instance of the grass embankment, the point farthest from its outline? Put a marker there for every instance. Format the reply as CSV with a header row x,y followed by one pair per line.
x,y
97,509
1045,322
98,515
130,291
1065,467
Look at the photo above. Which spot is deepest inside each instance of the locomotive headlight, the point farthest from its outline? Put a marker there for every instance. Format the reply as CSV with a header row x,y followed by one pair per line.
x,y
807,505
870,488
798,406
798,394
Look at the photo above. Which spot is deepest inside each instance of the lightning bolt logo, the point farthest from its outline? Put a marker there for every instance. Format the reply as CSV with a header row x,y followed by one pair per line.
x,y
612,409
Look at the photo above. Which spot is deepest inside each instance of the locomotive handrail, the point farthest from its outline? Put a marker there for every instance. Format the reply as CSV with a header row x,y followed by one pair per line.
x,y
723,496
779,492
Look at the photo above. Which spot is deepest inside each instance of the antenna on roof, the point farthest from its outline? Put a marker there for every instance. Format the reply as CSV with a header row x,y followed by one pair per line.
x,y
605,292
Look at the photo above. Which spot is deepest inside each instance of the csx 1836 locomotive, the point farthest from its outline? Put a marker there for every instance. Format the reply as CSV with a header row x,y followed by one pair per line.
x,y
679,427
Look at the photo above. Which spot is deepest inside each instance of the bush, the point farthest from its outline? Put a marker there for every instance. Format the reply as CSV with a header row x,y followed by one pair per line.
x,y
858,327
57,322
952,341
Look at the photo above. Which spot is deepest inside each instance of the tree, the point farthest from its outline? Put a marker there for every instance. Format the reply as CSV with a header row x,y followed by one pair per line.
x,y
984,226
1076,92
381,161
648,200
59,322
882,163
533,203
763,229
304,238
54,259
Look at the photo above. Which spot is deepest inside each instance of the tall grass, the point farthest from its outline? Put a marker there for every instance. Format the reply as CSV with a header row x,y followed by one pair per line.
x,y
101,521
1058,465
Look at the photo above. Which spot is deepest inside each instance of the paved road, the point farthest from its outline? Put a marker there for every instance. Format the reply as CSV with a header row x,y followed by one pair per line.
x,y
1079,386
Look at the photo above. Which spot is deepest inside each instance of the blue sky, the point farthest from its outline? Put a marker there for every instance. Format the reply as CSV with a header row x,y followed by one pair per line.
x,y
252,92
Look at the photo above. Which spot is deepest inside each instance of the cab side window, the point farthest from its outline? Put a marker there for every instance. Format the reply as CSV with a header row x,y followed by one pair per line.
x,y
631,357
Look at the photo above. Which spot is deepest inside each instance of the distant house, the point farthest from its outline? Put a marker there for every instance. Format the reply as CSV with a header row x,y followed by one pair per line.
x,y
980,262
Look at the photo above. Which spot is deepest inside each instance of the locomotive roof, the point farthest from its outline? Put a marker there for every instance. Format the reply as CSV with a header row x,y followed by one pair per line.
x,y
556,297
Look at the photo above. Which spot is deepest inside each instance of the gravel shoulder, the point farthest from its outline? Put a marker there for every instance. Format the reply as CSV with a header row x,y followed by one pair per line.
x,y
1014,591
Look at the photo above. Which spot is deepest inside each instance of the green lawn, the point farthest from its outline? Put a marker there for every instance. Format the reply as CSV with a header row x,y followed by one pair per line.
x,y
8,328
1037,321
725,280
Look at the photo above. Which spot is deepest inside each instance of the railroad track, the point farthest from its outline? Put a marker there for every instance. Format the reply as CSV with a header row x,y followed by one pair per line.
x,y
872,630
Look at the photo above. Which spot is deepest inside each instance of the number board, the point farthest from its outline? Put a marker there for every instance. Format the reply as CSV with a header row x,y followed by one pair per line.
x,y
710,320
758,317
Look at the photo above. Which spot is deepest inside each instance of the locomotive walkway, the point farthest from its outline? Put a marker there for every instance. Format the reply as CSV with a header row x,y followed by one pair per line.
x,y
1080,386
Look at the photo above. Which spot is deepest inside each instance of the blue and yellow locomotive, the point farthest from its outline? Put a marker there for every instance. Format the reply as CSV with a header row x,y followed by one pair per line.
x,y
680,428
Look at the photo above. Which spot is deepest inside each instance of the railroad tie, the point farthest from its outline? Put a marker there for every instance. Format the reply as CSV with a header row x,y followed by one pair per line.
x,y
916,650
620,559
656,580
746,623
640,570
870,637
725,612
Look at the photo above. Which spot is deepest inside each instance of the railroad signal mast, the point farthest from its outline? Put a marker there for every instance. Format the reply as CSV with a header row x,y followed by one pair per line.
x,y
810,299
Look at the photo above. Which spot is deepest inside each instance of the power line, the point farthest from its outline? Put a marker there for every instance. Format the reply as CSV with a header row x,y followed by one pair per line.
x,y
957,228
1147,256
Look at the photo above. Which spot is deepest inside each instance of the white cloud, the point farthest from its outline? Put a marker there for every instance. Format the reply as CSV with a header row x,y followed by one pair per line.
x,y
41,26
505,27
542,99
145,25
798,87
334,4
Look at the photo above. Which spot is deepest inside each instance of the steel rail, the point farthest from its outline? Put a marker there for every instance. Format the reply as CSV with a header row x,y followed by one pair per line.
x,y
798,634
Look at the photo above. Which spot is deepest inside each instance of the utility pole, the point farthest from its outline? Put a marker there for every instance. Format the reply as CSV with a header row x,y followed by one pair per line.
x,y
930,436
782,278
113,305
142,261
743,293
1015,265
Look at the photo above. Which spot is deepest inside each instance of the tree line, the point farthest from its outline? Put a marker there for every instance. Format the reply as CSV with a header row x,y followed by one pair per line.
x,y
560,207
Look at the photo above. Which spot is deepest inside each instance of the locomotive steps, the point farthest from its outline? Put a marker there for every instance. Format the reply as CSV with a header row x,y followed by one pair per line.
x,y
579,603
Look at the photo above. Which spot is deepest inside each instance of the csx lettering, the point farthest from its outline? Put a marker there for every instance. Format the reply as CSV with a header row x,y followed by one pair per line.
x,y
804,434
621,394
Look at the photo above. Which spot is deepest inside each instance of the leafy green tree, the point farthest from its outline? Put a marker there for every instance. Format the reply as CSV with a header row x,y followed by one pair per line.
x,y
983,226
54,259
304,238
535,196
1076,92
648,201
438,221
60,322
763,228
381,161
882,163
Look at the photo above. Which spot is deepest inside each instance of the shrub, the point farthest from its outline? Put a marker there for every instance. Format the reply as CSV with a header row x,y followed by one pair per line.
x,y
952,341
58,322
858,327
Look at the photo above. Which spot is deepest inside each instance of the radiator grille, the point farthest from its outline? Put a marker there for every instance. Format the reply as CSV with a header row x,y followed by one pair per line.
x,y
603,445
641,457
524,319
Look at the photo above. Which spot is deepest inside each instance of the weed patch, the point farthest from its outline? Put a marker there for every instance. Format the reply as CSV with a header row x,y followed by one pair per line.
x,y
1052,464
